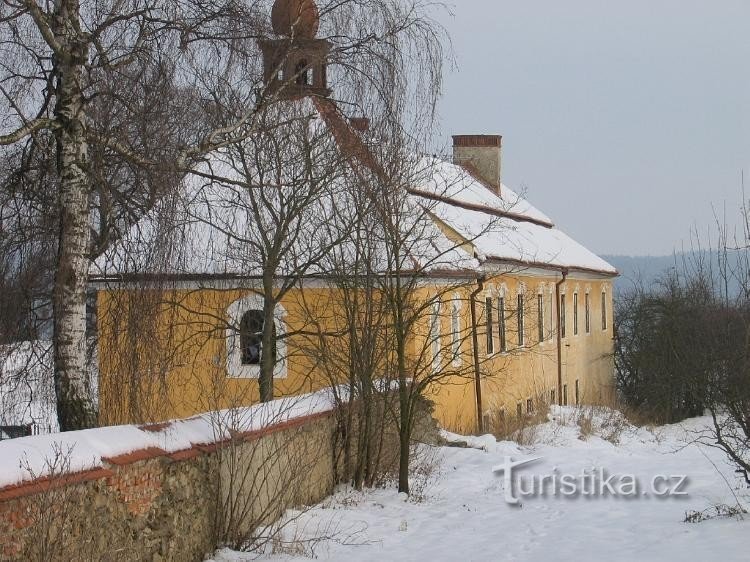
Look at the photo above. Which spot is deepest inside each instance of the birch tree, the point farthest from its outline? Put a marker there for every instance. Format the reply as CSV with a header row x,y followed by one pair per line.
x,y
81,80
81,76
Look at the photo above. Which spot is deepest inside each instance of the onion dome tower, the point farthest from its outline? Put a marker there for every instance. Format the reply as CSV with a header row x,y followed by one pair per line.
x,y
294,63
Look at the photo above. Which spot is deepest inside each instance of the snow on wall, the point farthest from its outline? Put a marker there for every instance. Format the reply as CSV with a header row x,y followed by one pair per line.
x,y
29,458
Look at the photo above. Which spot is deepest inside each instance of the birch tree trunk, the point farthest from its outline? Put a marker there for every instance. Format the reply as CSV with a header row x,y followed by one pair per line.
x,y
74,402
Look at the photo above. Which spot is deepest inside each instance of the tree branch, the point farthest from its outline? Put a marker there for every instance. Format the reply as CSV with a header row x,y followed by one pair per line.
x,y
29,128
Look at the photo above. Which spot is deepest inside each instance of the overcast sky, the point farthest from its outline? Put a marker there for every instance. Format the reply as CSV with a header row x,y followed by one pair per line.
x,y
625,121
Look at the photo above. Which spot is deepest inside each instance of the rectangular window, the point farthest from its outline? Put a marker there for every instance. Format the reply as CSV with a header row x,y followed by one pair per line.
x,y
588,314
520,320
604,311
551,315
501,323
552,396
490,326
578,393
455,333
529,406
562,316
540,316
435,336
575,314
565,395
519,410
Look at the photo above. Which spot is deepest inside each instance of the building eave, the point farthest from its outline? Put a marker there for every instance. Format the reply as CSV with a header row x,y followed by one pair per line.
x,y
572,269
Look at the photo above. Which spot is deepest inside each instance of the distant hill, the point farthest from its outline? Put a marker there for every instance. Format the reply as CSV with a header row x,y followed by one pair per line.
x,y
648,269
640,268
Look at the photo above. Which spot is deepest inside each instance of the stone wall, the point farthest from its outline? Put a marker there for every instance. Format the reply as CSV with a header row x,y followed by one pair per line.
x,y
151,505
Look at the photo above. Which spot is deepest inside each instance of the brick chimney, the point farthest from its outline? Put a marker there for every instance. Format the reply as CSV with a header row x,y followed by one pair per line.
x,y
481,155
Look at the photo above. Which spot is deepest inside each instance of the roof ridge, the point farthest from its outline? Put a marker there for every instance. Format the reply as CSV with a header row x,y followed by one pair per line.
x,y
481,208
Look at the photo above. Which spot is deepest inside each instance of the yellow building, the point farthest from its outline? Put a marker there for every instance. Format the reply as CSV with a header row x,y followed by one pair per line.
x,y
179,321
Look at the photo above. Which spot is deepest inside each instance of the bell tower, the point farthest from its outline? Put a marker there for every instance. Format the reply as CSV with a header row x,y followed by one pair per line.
x,y
294,64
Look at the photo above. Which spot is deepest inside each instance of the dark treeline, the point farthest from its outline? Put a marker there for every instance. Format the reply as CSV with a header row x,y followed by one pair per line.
x,y
682,346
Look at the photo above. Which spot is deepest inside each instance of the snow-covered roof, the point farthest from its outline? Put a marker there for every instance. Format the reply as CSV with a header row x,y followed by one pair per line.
x,y
211,229
213,226
520,233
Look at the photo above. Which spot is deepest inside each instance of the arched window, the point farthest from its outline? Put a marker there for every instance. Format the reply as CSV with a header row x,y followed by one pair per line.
x,y
251,337
244,338
301,71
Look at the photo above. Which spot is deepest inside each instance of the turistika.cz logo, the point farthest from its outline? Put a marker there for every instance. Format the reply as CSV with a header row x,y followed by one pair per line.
x,y
593,482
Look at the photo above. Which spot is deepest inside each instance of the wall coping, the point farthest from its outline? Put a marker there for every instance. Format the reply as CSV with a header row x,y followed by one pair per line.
x,y
46,483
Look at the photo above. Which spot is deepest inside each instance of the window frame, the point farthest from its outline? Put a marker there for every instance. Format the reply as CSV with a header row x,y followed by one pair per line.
x,y
605,324
456,332
587,312
501,326
575,314
255,336
540,317
302,73
235,369
435,335
520,320
562,313
489,326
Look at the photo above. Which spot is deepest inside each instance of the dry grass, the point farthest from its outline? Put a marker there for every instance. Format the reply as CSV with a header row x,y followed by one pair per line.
x,y
585,423
524,428
721,511
601,421
424,472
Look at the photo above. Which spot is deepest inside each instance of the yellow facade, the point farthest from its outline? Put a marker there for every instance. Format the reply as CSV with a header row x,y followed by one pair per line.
x,y
529,371
171,362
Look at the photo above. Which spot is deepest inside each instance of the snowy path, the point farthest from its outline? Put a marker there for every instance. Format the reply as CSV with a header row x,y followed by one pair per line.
x,y
466,518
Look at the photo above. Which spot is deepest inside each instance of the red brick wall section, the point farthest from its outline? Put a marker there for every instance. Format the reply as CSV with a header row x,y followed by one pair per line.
x,y
477,141
135,480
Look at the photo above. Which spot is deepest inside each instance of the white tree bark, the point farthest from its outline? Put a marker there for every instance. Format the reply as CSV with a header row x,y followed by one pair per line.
x,y
74,402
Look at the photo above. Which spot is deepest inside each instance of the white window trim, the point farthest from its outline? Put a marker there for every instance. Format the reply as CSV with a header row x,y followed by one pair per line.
x,y
456,344
235,368
435,335
490,295
562,314
545,338
502,291
502,324
552,313
521,318
605,313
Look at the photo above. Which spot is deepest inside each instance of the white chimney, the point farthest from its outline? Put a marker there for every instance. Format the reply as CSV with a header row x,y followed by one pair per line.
x,y
481,155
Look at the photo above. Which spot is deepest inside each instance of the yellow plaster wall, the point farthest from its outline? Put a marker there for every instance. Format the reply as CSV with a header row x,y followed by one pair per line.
x,y
175,364
530,372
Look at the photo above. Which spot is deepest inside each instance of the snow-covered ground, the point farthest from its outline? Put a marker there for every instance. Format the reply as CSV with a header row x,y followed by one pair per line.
x,y
465,517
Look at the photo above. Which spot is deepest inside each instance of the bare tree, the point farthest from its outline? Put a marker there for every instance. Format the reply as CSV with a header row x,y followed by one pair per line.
x,y
84,75
271,171
280,187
